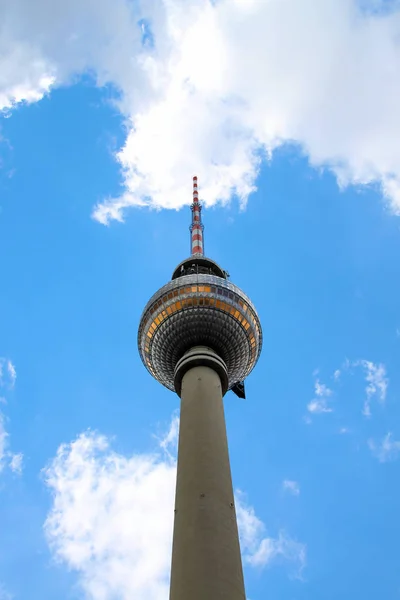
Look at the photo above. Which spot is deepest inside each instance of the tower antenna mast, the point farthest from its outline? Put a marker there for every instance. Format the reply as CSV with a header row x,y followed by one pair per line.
x,y
197,227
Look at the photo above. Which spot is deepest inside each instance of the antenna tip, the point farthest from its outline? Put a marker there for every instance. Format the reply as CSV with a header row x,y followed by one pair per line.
x,y
195,178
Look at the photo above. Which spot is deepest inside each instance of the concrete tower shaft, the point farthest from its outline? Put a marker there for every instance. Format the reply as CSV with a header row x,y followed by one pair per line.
x,y
206,560
199,309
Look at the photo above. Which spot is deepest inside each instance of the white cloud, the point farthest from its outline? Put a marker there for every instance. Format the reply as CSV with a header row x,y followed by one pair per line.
x,y
319,404
291,486
3,442
260,550
46,44
8,377
318,407
377,383
16,463
376,388
7,458
169,442
321,390
224,84
12,373
377,380
111,519
112,516
388,449
8,373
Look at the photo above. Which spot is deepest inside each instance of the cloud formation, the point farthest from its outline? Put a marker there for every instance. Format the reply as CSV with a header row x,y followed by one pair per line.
x,y
377,383
8,458
16,461
376,380
214,87
291,486
3,442
258,549
112,516
8,377
386,450
320,403
8,373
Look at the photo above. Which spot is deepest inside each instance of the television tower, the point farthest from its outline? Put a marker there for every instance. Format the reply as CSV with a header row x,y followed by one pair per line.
x,y
200,336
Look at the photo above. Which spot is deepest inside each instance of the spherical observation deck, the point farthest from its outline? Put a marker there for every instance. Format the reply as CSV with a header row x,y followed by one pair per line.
x,y
199,308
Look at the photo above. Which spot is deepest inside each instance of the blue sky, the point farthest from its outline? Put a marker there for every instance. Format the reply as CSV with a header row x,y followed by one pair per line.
x,y
87,437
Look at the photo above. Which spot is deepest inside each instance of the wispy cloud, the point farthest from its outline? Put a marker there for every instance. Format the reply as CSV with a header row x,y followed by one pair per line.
x,y
377,383
220,113
8,373
291,486
3,442
386,450
12,373
375,377
260,550
322,390
16,461
7,380
169,441
344,430
320,404
7,458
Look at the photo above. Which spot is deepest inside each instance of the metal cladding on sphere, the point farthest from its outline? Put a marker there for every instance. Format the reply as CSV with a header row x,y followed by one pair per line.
x,y
199,310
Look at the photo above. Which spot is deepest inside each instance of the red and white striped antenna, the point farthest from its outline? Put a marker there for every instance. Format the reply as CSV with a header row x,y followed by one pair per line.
x,y
196,228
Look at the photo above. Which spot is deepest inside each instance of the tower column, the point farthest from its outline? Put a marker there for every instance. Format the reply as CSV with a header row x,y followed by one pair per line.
x,y
206,560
